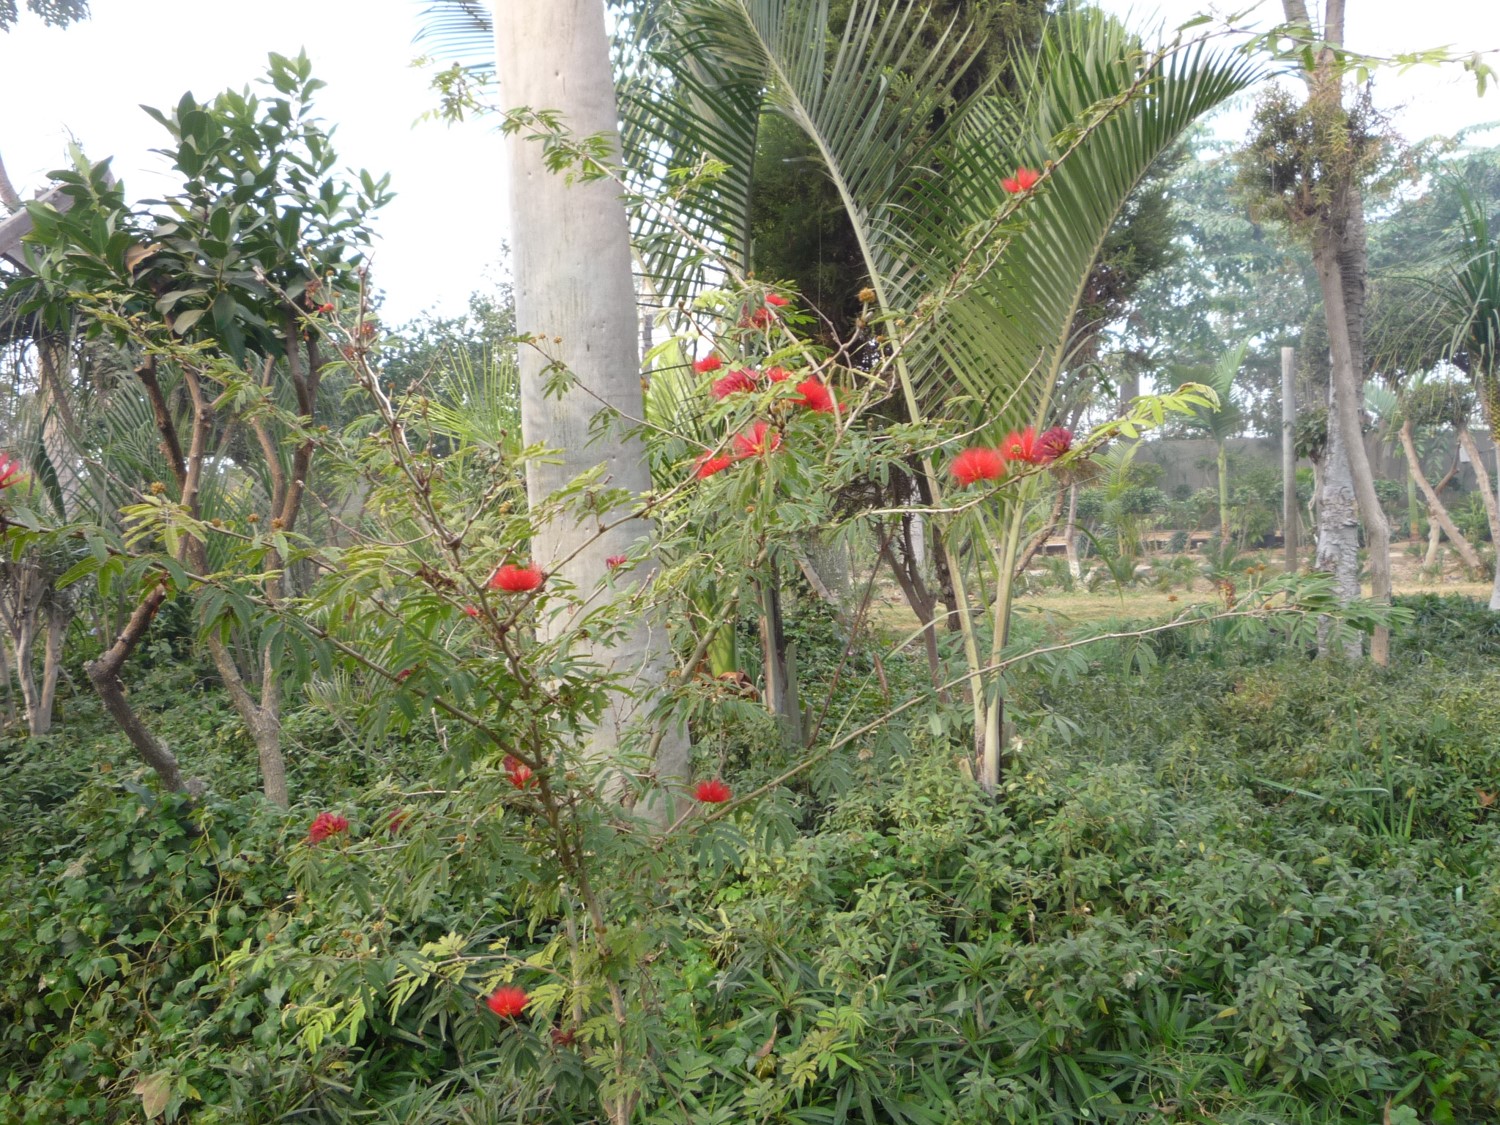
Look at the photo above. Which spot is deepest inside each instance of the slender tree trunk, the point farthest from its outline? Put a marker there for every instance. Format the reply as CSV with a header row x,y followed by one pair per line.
x,y
1223,463
1436,511
104,674
1491,504
1070,534
1413,508
59,616
574,291
10,692
780,685
1044,533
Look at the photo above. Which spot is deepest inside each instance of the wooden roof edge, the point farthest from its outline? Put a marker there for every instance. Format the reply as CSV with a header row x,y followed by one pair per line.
x,y
18,226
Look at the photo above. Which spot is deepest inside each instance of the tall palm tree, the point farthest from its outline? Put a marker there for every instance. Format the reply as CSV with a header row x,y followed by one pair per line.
x,y
1224,422
977,298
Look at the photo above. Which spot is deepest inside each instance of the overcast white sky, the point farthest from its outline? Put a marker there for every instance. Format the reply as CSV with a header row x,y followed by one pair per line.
x,y
442,234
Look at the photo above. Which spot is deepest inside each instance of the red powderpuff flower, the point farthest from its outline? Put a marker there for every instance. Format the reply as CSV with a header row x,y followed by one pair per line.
x,y
508,1001
10,471
615,562
707,464
708,363
977,464
325,825
516,579
778,374
713,792
511,763
325,308
1020,446
403,675
762,318
815,396
1025,179
472,610
1053,444
740,379
776,299
520,777
757,441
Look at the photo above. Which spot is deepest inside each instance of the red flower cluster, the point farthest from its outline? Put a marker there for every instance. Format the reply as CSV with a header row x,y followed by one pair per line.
x,y
708,363
757,441
739,380
778,374
520,772
977,464
615,562
708,464
776,299
508,1001
1053,444
713,792
472,610
10,471
516,579
815,396
1024,180
325,825
982,463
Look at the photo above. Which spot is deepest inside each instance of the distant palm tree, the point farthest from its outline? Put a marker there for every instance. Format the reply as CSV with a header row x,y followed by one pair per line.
x,y
1224,423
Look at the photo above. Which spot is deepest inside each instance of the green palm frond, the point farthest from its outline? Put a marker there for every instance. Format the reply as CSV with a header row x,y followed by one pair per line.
x,y
1229,418
1478,280
1005,342
463,30
690,113
919,173
478,404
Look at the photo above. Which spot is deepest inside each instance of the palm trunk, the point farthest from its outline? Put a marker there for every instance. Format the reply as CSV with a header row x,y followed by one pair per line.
x,y
574,289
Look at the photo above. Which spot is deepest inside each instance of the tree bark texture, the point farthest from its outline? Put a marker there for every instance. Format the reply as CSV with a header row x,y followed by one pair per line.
x,y
575,299
1344,417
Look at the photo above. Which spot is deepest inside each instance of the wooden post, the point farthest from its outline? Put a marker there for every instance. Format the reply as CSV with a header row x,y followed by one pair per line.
x,y
1289,515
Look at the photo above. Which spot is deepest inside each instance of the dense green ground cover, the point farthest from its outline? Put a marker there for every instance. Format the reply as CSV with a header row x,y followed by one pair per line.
x,y
1240,886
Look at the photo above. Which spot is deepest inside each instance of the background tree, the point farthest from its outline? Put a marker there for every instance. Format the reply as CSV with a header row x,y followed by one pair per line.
x,y
214,290
1311,161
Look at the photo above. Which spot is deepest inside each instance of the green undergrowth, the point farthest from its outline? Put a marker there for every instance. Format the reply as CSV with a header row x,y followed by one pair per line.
x,y
1240,885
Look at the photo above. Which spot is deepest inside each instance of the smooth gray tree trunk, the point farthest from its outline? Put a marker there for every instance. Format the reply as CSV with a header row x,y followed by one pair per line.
x,y
575,297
